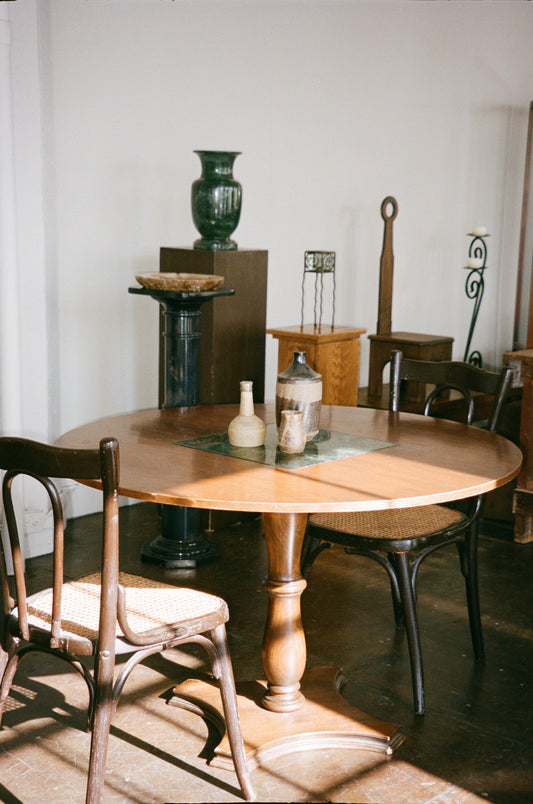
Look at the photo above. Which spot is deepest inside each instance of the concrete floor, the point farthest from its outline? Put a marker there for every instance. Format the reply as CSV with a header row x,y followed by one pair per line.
x,y
475,742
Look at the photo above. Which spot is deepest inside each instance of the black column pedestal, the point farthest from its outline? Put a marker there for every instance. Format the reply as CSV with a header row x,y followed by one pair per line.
x,y
181,543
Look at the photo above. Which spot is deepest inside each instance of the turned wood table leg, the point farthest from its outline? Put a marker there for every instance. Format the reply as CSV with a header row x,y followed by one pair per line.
x,y
284,652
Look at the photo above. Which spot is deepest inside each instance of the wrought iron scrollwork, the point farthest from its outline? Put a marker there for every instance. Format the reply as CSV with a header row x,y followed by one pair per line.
x,y
474,288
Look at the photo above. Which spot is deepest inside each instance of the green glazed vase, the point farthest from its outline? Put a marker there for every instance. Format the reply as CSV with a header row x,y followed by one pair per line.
x,y
216,201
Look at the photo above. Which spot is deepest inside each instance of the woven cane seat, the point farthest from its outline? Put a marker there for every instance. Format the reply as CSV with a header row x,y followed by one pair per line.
x,y
405,523
150,605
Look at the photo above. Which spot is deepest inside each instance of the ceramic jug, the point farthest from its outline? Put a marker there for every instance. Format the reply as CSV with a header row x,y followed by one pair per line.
x,y
291,433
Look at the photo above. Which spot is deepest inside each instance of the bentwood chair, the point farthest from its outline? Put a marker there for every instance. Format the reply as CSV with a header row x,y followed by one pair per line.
x,y
401,539
104,613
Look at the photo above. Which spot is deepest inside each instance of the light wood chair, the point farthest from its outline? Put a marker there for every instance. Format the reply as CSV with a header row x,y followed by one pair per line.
x,y
401,539
103,613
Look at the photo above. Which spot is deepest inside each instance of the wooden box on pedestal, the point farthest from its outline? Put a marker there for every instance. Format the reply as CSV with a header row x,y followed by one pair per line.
x,y
332,352
232,344
232,341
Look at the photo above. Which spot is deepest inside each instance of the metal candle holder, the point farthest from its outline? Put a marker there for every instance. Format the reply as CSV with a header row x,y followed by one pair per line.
x,y
474,287
319,263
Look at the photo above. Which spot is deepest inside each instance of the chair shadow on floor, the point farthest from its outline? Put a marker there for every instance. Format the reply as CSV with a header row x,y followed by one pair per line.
x,y
36,700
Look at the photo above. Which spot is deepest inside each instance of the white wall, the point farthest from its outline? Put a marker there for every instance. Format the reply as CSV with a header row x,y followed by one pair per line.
x,y
334,105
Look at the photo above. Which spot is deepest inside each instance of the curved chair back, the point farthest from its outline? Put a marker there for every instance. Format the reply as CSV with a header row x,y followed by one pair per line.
x,y
42,462
451,375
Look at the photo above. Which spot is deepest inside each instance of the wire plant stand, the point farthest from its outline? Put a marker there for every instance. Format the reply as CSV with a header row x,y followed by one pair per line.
x,y
319,263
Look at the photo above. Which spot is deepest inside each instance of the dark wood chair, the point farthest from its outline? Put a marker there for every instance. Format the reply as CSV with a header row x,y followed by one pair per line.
x,y
401,539
103,613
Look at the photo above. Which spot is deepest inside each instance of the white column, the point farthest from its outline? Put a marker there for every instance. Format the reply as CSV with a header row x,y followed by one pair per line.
x,y
10,355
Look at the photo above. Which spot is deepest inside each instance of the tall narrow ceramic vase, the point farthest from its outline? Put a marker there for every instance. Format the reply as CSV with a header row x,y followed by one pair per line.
x,y
246,429
299,387
216,201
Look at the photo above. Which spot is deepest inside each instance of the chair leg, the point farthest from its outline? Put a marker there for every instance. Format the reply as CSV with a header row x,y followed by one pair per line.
x,y
397,607
389,565
104,707
223,671
311,548
9,672
4,658
413,637
468,553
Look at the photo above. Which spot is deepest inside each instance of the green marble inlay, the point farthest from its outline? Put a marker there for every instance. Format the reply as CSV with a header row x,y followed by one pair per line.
x,y
327,446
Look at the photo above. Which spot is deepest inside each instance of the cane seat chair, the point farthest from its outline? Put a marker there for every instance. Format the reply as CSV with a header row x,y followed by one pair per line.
x,y
401,539
88,621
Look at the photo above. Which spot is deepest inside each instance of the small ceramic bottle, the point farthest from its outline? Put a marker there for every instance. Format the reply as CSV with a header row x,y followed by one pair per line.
x,y
246,429
291,434
299,387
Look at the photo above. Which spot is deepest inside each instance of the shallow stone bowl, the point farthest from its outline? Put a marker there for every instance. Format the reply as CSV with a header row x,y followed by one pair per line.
x,y
180,282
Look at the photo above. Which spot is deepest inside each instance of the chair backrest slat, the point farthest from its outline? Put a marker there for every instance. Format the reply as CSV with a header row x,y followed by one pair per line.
x,y
45,463
447,375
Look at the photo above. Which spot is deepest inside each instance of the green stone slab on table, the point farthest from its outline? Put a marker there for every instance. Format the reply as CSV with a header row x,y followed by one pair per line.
x,y
326,446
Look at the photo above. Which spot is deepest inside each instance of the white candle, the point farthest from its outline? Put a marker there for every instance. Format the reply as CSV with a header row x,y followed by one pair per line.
x,y
474,262
479,231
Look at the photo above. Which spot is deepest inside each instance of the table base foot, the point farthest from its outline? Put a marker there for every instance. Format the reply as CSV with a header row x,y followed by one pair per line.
x,y
181,545
326,719
166,553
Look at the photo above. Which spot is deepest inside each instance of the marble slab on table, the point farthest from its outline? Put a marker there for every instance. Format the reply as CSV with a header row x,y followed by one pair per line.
x,y
327,446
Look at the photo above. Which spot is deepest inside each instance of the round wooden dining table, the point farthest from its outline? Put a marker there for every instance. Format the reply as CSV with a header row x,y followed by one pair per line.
x,y
385,460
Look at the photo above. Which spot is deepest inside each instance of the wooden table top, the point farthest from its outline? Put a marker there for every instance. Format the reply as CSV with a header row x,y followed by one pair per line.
x,y
432,461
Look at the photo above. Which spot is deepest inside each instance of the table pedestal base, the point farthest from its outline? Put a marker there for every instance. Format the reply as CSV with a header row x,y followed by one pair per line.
x,y
181,544
326,720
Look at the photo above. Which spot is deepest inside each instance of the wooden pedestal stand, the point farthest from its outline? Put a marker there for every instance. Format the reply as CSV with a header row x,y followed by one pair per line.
x,y
523,495
412,344
333,352
232,345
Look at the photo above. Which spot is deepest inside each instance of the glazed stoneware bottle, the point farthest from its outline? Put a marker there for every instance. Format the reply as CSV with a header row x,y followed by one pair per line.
x,y
299,387
292,437
246,429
